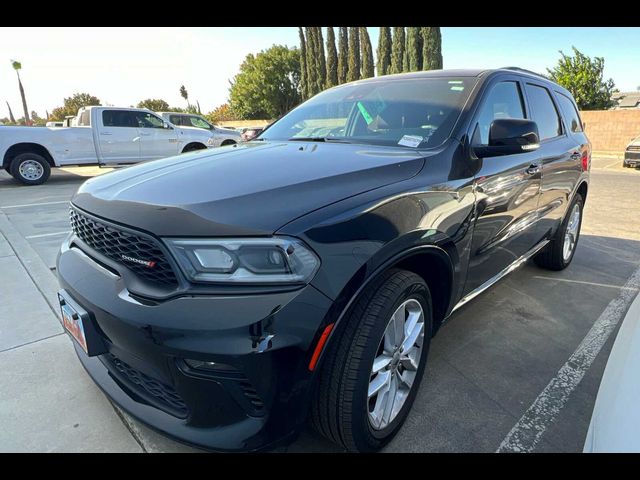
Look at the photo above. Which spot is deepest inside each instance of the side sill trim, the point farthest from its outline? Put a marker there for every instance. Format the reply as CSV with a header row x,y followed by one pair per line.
x,y
474,293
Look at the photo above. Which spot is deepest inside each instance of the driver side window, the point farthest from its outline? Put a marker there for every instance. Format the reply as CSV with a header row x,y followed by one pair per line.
x,y
147,120
503,101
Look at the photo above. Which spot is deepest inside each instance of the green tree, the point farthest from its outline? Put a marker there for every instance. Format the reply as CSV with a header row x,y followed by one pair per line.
x,y
17,66
367,54
343,54
353,72
184,94
267,85
384,51
397,50
332,59
414,49
222,113
11,117
583,77
431,48
154,104
303,65
37,120
321,64
312,86
72,104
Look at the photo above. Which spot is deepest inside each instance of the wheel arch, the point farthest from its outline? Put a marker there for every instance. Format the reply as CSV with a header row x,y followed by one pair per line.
x,y
26,147
431,262
192,146
228,141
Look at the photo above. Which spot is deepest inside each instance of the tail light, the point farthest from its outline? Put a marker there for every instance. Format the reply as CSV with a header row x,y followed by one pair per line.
x,y
585,161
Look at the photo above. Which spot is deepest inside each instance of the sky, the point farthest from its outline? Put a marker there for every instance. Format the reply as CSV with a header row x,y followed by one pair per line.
x,y
124,65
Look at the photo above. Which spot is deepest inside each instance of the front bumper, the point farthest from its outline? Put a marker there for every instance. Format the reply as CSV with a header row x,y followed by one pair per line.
x,y
266,340
632,158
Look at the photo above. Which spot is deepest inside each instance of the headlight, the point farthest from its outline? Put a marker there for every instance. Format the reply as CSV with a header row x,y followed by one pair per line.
x,y
211,141
275,260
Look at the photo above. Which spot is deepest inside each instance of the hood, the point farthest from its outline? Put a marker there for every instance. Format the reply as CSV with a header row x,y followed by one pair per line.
x,y
245,189
227,131
194,131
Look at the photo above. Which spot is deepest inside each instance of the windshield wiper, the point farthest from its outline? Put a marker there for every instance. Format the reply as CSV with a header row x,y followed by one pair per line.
x,y
317,139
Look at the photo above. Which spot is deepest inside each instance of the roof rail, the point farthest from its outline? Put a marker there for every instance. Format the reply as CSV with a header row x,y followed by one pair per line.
x,y
524,70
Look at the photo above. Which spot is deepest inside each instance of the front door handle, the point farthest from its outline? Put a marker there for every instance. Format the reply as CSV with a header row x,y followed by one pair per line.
x,y
145,134
533,169
106,133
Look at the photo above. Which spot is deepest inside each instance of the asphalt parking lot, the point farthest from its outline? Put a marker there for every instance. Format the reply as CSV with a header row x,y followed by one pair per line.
x,y
492,376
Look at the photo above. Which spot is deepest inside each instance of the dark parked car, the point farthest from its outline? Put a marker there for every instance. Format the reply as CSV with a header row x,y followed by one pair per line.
x,y
224,297
632,154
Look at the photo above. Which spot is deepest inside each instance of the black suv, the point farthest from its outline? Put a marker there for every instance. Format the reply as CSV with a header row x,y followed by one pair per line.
x,y
224,297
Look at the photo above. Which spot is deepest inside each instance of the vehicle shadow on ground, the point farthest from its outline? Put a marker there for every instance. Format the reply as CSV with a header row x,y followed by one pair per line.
x,y
58,177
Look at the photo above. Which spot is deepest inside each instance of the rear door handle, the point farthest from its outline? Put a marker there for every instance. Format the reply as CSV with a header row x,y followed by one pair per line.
x,y
145,134
106,133
533,169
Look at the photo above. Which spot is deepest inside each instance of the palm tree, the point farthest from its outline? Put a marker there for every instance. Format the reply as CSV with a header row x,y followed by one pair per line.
x,y
17,66
12,119
185,95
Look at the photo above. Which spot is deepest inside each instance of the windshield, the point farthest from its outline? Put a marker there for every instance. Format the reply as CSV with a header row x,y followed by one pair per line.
x,y
409,112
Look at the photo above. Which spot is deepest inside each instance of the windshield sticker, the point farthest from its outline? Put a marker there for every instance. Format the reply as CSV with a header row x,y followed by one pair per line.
x,y
410,140
365,114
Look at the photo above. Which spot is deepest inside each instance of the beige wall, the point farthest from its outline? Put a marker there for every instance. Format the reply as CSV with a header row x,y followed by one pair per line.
x,y
611,130
244,123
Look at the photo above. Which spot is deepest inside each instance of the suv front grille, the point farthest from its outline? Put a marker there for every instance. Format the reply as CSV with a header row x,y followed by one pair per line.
x,y
167,398
125,248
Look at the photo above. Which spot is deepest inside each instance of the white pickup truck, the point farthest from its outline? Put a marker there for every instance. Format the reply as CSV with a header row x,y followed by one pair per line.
x,y
103,136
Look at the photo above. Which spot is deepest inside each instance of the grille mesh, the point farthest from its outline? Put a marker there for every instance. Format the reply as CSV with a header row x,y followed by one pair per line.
x,y
117,244
163,393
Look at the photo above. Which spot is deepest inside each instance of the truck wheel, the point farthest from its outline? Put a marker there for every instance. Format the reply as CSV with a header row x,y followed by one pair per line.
x,y
30,168
557,255
371,373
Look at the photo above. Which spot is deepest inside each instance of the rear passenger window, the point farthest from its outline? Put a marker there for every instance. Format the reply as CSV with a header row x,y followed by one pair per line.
x,y
119,118
503,101
543,112
570,112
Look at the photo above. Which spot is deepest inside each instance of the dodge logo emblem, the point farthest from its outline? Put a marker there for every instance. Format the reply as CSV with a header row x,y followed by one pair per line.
x,y
146,263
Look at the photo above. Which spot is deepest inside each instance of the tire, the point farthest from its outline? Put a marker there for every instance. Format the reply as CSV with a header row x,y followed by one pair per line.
x,y
624,164
30,168
553,256
340,405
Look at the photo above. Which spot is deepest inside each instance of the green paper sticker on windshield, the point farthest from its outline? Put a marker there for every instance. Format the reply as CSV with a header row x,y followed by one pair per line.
x,y
365,114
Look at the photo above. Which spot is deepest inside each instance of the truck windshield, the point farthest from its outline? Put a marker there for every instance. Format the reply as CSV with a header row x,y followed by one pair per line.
x,y
411,112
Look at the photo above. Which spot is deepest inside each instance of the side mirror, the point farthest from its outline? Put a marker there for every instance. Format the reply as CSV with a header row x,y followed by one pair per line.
x,y
166,126
508,136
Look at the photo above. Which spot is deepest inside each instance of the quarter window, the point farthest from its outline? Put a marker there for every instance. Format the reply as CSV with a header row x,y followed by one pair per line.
x,y
570,112
503,101
543,112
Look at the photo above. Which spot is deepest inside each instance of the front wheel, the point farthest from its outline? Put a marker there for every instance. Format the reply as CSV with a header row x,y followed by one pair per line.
x,y
372,372
30,168
557,255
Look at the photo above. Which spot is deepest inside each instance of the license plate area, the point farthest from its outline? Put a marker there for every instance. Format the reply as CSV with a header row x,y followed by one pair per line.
x,y
80,326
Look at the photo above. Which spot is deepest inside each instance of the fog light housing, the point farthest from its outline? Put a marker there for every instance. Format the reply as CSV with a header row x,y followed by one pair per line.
x,y
209,366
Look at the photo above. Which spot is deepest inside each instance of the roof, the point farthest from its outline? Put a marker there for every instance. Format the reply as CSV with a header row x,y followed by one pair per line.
x,y
627,99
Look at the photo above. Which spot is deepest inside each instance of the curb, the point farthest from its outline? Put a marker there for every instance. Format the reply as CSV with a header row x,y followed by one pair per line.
x,y
43,278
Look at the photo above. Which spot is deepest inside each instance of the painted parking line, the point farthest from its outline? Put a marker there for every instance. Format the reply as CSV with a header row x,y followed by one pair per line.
x,y
525,434
593,284
41,235
34,204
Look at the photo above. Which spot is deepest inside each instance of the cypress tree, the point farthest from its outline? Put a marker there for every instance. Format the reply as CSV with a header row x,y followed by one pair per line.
x,y
311,62
397,50
414,49
321,64
303,65
367,53
332,59
353,72
343,54
432,48
384,51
